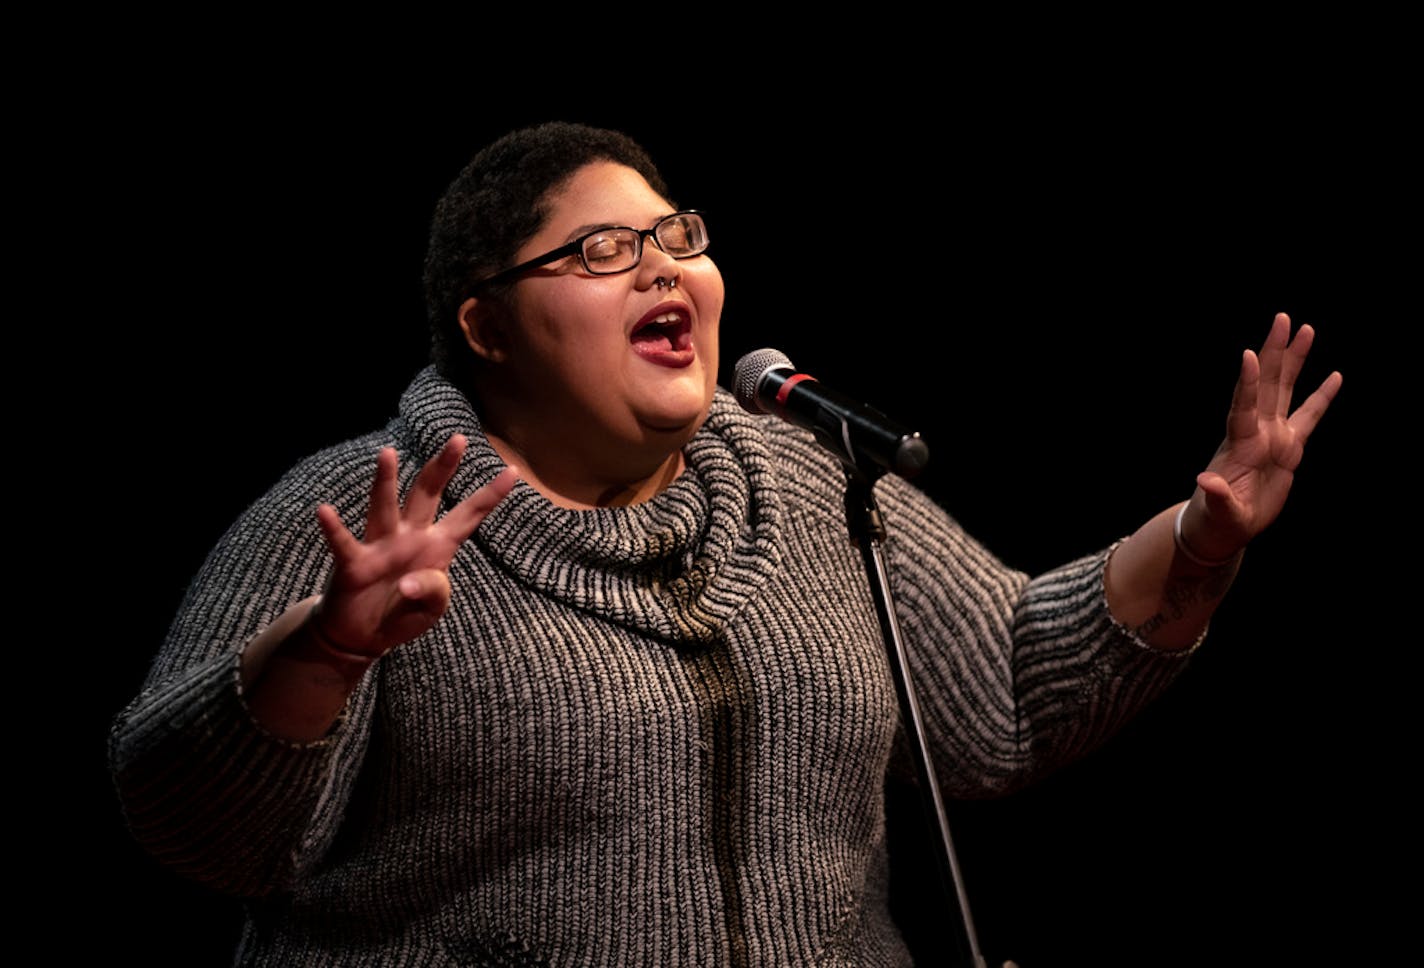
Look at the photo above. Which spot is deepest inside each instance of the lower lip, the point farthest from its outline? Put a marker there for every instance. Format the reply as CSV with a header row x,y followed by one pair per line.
x,y
661,352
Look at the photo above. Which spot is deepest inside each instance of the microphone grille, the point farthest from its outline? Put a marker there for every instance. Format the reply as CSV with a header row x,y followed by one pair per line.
x,y
750,369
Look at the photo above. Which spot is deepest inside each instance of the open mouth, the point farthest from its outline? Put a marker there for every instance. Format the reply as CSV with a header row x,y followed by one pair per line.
x,y
669,331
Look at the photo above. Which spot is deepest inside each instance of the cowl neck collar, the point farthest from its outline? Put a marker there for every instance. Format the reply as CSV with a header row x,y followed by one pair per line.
x,y
678,567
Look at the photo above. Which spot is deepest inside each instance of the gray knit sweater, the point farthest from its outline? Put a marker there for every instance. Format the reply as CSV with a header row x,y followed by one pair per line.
x,y
655,735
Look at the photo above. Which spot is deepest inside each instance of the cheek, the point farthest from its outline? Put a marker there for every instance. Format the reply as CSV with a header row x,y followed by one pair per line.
x,y
568,318
710,293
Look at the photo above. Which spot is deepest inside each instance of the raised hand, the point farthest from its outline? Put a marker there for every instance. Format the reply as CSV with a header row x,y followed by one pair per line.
x,y
392,585
1245,485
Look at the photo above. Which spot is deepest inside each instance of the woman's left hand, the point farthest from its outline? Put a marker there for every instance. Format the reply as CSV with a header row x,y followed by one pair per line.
x,y
1245,485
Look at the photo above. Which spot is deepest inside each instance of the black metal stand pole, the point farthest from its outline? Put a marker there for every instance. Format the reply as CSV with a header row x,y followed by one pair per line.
x,y
867,529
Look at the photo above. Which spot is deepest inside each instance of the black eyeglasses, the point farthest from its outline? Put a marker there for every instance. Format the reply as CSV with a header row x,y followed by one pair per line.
x,y
604,252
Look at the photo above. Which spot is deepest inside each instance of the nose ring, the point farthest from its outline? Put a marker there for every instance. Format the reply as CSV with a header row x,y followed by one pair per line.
x,y
662,283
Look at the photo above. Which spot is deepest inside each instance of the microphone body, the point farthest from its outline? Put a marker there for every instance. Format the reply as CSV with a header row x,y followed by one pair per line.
x,y
861,436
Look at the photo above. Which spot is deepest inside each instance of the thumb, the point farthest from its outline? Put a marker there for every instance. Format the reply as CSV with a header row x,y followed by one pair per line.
x,y
1218,530
1221,501
419,599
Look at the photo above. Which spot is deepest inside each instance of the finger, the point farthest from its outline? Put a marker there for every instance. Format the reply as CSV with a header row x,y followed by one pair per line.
x,y
383,516
1220,531
424,497
464,517
1304,420
1291,362
342,543
1220,499
1272,352
416,603
1241,420
427,591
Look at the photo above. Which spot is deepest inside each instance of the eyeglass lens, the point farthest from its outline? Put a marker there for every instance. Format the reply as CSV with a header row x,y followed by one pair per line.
x,y
681,236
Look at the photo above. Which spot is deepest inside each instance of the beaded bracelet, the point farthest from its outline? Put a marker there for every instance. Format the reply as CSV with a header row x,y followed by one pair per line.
x,y
1187,552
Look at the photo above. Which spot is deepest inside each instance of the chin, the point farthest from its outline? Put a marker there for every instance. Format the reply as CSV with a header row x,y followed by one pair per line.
x,y
679,409
677,423
683,429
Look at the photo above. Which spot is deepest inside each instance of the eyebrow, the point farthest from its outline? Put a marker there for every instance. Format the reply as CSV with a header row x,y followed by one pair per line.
x,y
583,230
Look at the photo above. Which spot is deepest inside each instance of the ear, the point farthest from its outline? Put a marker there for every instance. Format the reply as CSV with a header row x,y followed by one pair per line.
x,y
483,323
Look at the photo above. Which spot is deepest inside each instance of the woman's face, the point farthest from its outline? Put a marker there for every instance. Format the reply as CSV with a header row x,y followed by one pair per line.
x,y
602,363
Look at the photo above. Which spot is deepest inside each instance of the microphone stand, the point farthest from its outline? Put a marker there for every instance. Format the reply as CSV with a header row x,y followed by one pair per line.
x,y
867,530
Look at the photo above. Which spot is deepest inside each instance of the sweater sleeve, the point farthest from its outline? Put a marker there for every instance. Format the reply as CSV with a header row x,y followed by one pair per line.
x,y
202,786
1015,676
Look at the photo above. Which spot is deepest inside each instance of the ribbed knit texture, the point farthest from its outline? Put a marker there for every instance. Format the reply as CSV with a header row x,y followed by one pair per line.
x,y
652,736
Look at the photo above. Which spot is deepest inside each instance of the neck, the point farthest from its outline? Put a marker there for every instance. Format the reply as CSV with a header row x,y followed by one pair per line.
x,y
580,489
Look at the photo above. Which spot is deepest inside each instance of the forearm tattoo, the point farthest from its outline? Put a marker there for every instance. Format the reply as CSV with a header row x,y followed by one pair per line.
x,y
1184,591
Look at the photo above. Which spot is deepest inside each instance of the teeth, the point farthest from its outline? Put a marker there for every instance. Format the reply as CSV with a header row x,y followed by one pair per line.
x,y
665,319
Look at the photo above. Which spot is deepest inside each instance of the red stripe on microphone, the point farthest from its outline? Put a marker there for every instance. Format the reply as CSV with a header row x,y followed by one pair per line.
x,y
791,381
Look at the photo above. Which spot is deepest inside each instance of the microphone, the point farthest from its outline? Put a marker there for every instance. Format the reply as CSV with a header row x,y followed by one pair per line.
x,y
859,435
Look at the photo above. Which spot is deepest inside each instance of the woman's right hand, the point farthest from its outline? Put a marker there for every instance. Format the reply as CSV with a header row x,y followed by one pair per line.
x,y
391,585
385,589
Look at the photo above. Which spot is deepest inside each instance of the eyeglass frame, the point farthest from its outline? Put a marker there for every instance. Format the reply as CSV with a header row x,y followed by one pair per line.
x,y
576,248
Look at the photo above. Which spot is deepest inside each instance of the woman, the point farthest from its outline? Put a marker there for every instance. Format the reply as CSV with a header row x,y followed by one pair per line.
x,y
627,704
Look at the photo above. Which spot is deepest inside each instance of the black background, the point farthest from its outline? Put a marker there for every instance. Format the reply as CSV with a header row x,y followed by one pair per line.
x,y
1052,280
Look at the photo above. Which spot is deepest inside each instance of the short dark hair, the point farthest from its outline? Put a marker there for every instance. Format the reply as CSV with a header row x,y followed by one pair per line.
x,y
494,206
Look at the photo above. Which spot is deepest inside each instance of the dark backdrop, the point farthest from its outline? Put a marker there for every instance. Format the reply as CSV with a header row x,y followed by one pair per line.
x,y
1053,287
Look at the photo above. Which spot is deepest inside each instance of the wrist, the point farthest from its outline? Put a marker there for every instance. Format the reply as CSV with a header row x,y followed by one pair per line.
x,y
1186,551
315,644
